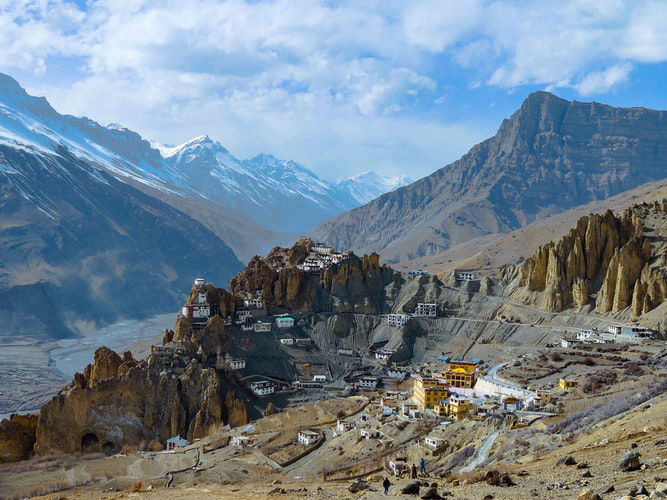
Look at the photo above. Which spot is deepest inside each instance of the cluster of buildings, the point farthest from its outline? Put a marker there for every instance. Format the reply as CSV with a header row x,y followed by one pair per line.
x,y
422,309
322,256
614,333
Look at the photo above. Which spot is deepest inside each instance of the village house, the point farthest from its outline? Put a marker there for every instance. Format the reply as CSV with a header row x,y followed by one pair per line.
x,y
398,320
428,392
247,327
263,388
199,282
367,383
630,331
308,437
461,374
364,419
345,352
567,343
434,442
369,434
303,342
566,384
458,407
253,303
417,272
284,322
584,334
241,441
177,442
426,309
198,313
344,426
407,406
397,374
383,354
262,326
236,363
319,378
398,467
287,341
465,275
322,248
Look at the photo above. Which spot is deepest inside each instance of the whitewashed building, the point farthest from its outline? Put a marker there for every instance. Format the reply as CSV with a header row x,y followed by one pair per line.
x,y
397,319
287,341
308,437
433,442
383,354
285,322
344,426
197,312
345,352
319,378
241,441
262,326
322,248
426,309
465,275
367,382
263,388
253,303
236,363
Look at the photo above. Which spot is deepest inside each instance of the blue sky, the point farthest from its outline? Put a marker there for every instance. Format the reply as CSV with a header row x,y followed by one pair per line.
x,y
343,87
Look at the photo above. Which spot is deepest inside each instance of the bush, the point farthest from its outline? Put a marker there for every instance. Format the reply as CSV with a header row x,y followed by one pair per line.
x,y
136,487
588,362
633,369
644,356
555,356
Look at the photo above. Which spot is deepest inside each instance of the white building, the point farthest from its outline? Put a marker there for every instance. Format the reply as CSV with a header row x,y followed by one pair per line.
x,y
303,342
426,309
345,352
565,342
285,322
319,378
236,363
246,327
433,442
287,341
465,275
197,312
243,315
263,388
241,441
308,437
322,248
397,374
630,331
201,298
200,282
584,334
367,382
253,303
383,354
344,426
262,326
396,319
368,434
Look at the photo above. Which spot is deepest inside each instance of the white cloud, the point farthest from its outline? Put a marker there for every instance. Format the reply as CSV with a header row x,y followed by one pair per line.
x,y
280,75
602,81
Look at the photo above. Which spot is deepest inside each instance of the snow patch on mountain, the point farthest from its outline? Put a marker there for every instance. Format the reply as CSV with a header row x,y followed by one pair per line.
x,y
369,185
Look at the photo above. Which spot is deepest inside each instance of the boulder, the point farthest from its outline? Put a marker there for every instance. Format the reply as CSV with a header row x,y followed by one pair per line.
x,y
629,461
411,488
431,493
359,485
568,460
588,494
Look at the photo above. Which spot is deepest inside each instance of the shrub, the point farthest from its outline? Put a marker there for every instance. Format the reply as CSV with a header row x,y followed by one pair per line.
x,y
633,369
555,356
136,486
588,362
644,356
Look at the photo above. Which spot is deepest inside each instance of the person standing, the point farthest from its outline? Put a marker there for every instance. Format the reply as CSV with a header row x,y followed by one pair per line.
x,y
386,484
414,471
422,466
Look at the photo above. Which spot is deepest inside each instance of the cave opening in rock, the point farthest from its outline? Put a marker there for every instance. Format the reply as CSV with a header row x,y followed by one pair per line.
x,y
89,443
109,448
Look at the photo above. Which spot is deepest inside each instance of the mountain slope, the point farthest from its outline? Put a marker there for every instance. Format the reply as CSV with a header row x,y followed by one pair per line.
x,y
551,155
77,246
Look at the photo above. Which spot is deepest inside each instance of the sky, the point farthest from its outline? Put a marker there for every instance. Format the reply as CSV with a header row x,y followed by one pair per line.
x,y
398,87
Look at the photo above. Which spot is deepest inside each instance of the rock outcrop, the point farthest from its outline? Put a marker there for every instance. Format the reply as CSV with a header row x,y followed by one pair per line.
x,y
118,400
619,260
352,285
17,437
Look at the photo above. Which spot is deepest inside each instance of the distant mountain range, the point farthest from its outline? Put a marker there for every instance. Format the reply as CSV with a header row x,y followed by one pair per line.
x,y
551,155
98,223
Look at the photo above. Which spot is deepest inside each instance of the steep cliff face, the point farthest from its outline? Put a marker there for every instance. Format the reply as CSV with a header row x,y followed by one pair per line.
x,y
352,285
17,437
549,156
612,262
176,390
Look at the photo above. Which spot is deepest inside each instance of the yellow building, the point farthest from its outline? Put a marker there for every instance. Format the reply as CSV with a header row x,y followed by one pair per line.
x,y
460,407
566,384
428,392
461,374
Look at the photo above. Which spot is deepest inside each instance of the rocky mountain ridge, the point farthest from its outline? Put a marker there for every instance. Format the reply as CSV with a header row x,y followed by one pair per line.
x,y
551,155
607,263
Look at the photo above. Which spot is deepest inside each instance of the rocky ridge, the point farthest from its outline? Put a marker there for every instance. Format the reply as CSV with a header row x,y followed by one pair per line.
x,y
607,263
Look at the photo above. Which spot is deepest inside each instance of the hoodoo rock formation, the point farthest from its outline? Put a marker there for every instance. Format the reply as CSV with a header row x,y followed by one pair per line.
x,y
611,262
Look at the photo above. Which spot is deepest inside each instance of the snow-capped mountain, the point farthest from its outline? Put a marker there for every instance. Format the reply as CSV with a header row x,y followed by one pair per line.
x,y
278,194
369,185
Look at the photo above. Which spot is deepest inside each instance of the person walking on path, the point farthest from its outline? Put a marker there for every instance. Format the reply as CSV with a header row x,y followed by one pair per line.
x,y
414,471
422,466
386,484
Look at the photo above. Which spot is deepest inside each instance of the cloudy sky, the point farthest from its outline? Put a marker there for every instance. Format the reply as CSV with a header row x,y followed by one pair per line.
x,y
342,87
